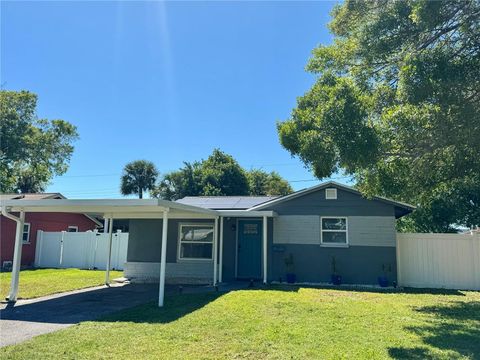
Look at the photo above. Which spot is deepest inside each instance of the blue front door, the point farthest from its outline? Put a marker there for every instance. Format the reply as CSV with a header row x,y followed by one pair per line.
x,y
249,258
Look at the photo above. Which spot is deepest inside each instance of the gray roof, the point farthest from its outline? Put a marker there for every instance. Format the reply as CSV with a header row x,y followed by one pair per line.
x,y
31,196
225,202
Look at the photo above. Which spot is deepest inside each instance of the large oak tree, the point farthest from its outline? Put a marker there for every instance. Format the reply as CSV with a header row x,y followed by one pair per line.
x,y
396,104
32,149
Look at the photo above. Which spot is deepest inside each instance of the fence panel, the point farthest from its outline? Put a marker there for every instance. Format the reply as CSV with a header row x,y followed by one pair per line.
x,y
48,249
450,261
83,250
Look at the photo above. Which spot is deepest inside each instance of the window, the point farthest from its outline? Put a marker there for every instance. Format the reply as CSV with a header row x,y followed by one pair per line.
x,y
72,228
26,233
331,194
334,231
196,242
250,229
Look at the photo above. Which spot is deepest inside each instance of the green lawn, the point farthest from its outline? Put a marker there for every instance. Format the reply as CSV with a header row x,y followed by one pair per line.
x,y
276,324
41,282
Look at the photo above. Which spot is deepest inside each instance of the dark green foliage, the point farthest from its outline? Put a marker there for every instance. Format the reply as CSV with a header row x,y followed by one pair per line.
x,y
263,183
138,176
396,104
32,150
219,175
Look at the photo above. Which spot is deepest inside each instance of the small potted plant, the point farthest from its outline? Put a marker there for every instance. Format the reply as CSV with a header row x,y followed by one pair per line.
x,y
383,280
289,264
335,278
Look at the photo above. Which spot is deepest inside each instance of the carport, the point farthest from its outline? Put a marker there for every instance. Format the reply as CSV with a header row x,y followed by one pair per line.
x,y
129,209
108,209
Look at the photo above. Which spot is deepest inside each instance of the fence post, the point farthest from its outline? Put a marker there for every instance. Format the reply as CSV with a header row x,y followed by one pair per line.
x,y
61,248
476,258
117,252
38,248
399,268
93,246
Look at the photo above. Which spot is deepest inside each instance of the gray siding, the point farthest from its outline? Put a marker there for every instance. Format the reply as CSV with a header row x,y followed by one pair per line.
x,y
356,264
371,234
346,204
145,239
362,230
144,246
296,229
371,231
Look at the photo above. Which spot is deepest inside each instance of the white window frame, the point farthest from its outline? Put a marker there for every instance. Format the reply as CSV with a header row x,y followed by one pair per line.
x,y
330,197
72,227
28,233
179,247
328,244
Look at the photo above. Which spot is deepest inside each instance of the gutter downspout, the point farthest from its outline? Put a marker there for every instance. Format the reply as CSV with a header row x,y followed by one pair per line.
x,y
17,255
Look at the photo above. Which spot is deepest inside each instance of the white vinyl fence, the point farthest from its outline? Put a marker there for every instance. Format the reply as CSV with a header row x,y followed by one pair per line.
x,y
83,250
450,261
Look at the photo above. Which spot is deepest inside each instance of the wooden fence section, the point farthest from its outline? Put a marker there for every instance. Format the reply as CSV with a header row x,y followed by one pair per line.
x,y
450,261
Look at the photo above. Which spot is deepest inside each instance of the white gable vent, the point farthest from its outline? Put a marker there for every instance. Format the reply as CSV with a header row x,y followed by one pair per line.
x,y
331,194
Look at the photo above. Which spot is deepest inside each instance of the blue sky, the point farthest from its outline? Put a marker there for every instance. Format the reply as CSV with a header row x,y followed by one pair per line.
x,y
166,82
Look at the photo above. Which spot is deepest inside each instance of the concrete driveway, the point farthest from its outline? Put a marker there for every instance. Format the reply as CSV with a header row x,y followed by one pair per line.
x,y
29,318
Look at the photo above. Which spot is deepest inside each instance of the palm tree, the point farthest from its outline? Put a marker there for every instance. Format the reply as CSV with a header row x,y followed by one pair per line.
x,y
138,176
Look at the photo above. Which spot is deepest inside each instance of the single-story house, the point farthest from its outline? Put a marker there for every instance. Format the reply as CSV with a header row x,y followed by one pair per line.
x,y
314,225
37,221
221,239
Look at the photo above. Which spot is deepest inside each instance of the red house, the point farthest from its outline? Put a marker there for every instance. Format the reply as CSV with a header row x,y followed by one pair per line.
x,y
38,221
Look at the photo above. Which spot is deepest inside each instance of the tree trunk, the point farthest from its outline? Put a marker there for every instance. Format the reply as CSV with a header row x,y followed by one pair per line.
x,y
140,193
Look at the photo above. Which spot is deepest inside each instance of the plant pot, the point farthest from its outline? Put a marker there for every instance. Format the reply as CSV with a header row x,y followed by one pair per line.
x,y
382,281
291,278
336,279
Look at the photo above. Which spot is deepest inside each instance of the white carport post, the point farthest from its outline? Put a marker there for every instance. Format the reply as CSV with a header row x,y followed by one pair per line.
x,y
163,258
109,258
220,265
17,255
215,252
265,218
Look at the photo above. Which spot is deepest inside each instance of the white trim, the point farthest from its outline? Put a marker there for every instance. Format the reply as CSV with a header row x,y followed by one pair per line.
x,y
328,244
72,227
220,265
26,242
196,224
246,213
109,259
265,241
163,259
17,254
215,251
333,195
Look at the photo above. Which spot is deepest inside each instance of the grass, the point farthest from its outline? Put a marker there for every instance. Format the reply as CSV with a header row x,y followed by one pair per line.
x,y
276,324
41,282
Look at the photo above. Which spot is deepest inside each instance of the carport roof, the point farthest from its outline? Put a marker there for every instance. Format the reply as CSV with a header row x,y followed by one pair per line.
x,y
102,206
119,208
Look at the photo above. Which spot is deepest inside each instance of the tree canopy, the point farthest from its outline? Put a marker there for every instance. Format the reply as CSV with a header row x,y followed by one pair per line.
x,y
32,149
219,175
396,105
137,177
263,183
